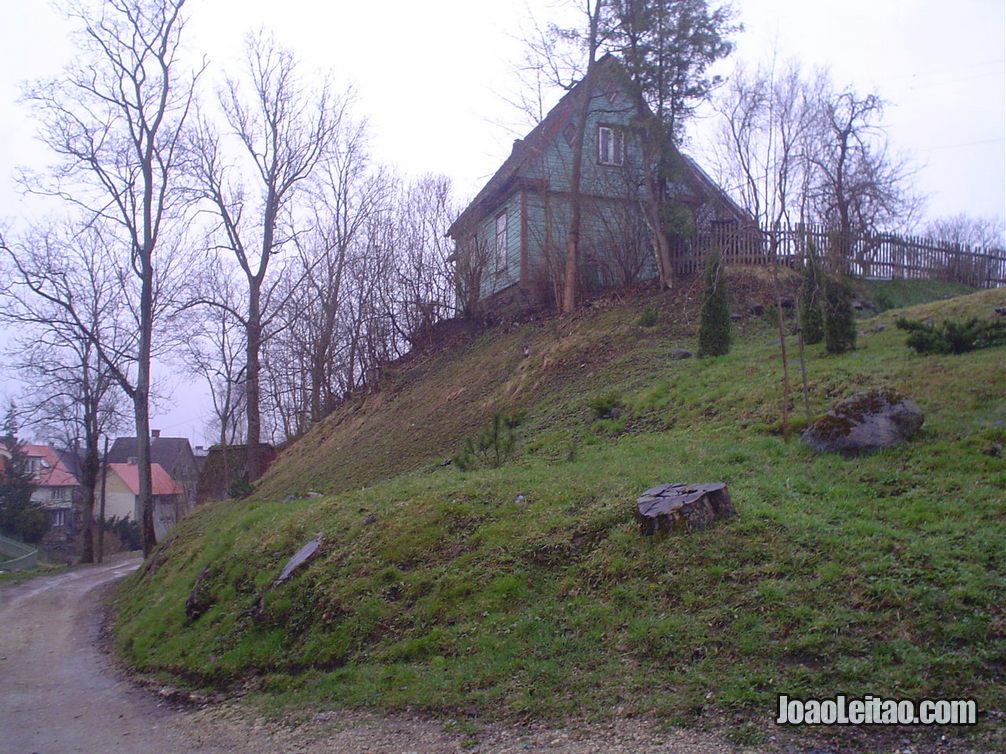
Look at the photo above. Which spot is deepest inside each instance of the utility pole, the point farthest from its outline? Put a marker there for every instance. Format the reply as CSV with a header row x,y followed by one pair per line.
x,y
101,504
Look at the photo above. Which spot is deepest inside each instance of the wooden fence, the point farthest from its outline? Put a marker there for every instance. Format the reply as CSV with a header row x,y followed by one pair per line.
x,y
884,256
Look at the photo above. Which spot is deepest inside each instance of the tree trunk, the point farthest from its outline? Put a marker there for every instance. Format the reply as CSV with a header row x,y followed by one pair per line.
x,y
661,243
141,395
570,277
101,508
89,480
252,390
145,496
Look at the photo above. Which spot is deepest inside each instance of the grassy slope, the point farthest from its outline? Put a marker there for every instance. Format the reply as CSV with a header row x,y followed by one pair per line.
x,y
880,575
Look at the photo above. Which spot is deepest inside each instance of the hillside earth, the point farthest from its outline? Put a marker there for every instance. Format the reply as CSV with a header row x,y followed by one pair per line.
x,y
525,591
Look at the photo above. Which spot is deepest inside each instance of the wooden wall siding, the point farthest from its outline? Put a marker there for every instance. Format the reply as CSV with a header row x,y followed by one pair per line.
x,y
495,280
879,256
554,164
602,245
524,270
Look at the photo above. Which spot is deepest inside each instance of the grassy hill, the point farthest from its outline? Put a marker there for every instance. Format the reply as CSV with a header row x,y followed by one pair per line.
x,y
528,590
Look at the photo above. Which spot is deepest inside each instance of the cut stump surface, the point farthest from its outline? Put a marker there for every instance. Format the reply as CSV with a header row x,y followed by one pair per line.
x,y
687,506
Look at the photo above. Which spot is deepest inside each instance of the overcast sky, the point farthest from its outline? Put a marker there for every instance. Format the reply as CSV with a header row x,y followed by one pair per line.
x,y
431,79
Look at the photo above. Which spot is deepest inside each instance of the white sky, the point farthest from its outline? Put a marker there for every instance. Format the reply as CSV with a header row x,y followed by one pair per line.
x,y
431,78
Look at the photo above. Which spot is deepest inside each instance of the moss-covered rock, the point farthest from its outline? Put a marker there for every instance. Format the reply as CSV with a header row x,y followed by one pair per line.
x,y
865,421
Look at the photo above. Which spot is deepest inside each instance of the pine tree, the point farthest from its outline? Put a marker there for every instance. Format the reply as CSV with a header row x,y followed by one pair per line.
x,y
839,320
811,317
714,325
19,516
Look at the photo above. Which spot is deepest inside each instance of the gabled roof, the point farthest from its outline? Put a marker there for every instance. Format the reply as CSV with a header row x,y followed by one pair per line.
x,y
54,473
160,482
710,190
534,144
163,450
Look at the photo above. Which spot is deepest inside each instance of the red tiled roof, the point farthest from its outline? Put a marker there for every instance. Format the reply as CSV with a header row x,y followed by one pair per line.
x,y
56,475
160,482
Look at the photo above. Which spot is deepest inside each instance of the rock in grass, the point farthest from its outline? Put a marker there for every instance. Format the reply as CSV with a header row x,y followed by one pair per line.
x,y
681,353
302,556
866,421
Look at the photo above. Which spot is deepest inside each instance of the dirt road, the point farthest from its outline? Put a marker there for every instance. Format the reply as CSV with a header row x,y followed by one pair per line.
x,y
60,694
57,692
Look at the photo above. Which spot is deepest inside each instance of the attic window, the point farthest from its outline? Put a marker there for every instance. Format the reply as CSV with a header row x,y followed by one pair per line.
x,y
610,145
569,133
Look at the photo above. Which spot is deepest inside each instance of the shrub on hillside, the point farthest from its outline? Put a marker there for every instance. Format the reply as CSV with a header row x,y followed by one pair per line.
x,y
839,319
240,488
493,445
953,337
606,406
649,317
811,317
127,531
714,324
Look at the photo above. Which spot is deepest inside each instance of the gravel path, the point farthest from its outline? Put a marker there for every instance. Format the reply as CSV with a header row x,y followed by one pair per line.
x,y
60,694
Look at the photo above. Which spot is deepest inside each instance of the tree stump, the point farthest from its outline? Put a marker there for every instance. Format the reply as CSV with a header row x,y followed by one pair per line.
x,y
691,507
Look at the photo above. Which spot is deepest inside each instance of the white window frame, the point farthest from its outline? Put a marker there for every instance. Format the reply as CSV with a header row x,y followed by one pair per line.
x,y
610,145
59,517
501,240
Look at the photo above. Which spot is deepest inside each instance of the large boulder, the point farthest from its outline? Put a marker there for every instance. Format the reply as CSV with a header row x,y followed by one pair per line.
x,y
865,421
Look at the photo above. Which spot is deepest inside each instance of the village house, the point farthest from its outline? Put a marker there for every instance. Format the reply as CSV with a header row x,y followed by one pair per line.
x,y
517,223
122,495
173,454
57,489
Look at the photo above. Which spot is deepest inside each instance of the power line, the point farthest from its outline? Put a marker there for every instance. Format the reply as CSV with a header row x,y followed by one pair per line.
x,y
1000,140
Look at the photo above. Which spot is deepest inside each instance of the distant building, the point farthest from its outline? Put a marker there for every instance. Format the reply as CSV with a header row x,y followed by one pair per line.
x,y
226,464
57,490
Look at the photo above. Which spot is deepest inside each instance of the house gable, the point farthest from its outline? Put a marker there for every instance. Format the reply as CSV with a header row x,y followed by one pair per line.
x,y
533,189
173,454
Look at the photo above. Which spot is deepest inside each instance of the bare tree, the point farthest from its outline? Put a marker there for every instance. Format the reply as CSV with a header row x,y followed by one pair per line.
x,y
114,122
968,231
764,140
424,288
471,260
348,194
857,186
285,130
71,391
215,352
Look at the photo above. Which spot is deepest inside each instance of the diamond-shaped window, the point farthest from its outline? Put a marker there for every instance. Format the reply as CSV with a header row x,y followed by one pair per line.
x,y
569,133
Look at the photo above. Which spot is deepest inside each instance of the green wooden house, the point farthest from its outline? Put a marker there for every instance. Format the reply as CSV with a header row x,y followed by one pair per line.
x,y
512,236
